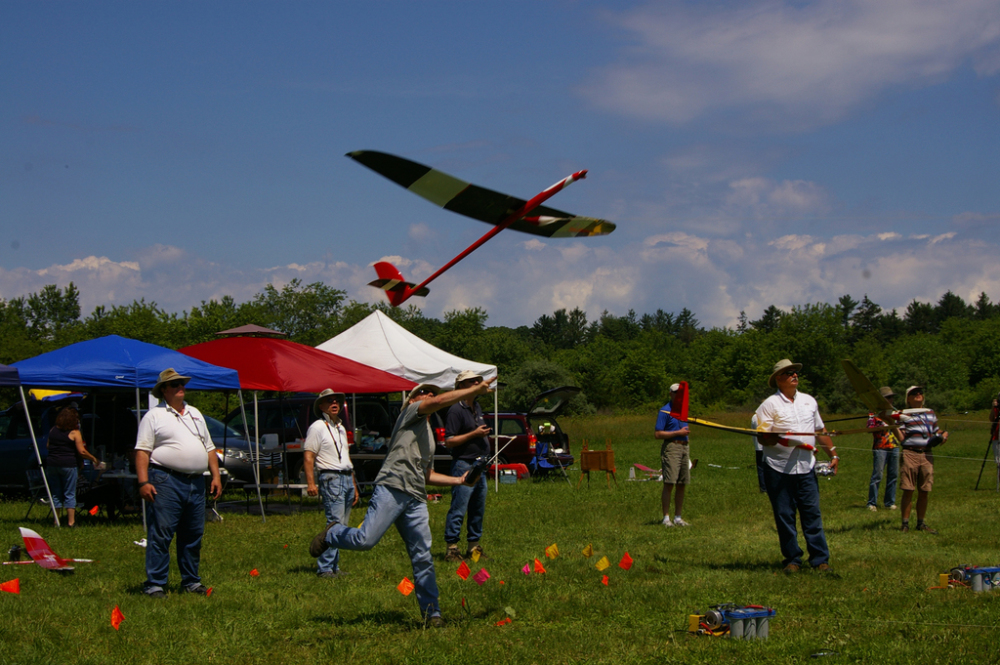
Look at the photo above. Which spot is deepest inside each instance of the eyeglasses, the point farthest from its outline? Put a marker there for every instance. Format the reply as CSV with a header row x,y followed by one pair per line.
x,y
789,372
425,391
177,383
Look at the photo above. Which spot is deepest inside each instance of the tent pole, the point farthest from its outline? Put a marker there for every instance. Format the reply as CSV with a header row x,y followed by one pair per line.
x,y
256,434
256,465
496,437
38,454
138,417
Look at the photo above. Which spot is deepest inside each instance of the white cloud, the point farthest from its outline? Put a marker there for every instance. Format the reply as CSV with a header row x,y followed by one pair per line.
x,y
789,65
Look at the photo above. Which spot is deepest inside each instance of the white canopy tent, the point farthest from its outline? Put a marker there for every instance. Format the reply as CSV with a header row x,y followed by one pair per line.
x,y
378,341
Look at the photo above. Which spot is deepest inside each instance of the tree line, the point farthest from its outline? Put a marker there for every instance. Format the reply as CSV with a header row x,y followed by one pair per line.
x,y
622,363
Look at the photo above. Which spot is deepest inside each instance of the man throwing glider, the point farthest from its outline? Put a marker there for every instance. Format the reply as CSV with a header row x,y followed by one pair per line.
x,y
172,452
789,464
400,495
675,457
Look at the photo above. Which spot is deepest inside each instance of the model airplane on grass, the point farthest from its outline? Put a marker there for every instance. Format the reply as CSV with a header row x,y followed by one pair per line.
x,y
501,210
42,554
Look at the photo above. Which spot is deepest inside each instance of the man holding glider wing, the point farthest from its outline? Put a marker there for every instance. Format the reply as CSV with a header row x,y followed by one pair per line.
x,y
789,466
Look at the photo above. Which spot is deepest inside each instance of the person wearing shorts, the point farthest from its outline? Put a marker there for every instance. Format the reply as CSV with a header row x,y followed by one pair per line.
x,y
920,434
674,457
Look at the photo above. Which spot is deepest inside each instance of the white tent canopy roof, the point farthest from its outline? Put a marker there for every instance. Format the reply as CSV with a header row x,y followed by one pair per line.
x,y
378,341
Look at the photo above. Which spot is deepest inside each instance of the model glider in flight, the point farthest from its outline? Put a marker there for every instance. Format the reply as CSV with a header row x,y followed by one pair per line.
x,y
42,554
501,210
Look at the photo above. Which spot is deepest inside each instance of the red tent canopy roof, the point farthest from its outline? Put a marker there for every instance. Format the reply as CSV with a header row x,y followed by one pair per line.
x,y
266,363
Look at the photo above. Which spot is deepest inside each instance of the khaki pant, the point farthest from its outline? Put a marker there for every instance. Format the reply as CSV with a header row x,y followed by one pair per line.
x,y
916,472
674,458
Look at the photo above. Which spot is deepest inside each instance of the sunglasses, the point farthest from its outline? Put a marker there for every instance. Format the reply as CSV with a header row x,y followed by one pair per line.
x,y
176,383
425,391
789,372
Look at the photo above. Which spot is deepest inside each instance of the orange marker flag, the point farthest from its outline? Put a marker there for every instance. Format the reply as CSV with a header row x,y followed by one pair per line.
x,y
588,551
463,571
13,586
539,568
626,562
603,563
604,580
208,594
552,551
116,618
254,573
93,511
405,587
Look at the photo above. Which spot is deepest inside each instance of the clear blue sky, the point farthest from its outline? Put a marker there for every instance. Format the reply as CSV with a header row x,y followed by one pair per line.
x,y
751,153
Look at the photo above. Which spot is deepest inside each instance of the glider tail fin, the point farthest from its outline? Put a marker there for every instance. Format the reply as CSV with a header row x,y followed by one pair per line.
x,y
680,410
396,288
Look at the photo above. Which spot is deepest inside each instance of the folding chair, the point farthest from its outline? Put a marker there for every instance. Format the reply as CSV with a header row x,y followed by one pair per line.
x,y
36,486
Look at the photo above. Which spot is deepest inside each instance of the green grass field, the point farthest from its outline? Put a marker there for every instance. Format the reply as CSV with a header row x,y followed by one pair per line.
x,y
875,608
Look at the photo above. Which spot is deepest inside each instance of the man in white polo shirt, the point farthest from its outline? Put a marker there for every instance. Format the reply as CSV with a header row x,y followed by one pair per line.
x,y
172,452
789,462
329,472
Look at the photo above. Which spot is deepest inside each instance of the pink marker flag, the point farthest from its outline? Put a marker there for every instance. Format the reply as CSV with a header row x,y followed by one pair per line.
x,y
481,577
527,569
463,571
116,617
626,562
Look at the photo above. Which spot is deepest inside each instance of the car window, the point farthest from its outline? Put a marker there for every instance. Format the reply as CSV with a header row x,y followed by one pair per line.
x,y
374,418
220,432
4,424
511,427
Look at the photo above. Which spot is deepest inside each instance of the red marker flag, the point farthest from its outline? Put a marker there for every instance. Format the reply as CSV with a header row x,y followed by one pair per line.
x,y
503,622
626,562
604,580
13,586
93,511
463,571
254,573
116,618
208,594
405,587
539,568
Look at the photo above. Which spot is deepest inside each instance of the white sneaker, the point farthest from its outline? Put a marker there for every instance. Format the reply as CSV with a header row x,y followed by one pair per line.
x,y
872,508
667,522
892,507
679,522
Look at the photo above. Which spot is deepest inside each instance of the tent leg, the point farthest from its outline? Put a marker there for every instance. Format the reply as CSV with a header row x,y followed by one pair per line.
x,y
138,417
38,455
256,434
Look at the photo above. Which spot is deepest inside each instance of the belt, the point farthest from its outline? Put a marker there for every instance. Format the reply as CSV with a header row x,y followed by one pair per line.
x,y
339,472
180,474
915,449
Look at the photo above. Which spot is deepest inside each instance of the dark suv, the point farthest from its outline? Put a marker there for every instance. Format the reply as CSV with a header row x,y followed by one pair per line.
x,y
527,428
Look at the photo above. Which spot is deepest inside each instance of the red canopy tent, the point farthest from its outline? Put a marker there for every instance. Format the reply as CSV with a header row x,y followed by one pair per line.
x,y
265,363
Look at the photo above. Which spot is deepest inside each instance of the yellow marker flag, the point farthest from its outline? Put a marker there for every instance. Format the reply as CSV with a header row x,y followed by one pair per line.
x,y
552,551
588,551
603,564
475,556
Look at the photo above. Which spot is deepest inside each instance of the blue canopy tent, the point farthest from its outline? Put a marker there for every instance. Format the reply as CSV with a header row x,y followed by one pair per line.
x,y
118,363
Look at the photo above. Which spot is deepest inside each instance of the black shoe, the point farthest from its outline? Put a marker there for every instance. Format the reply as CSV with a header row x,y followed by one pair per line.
x,y
435,622
155,592
452,554
905,528
319,544
926,529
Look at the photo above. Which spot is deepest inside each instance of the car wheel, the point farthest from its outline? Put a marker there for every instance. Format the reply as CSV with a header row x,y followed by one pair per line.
x,y
501,460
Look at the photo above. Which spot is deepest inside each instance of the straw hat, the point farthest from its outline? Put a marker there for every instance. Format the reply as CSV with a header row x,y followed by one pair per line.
x,y
166,376
465,375
886,392
323,395
423,386
781,366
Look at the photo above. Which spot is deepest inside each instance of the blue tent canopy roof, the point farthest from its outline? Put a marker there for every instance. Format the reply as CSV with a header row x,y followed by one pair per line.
x,y
119,362
8,376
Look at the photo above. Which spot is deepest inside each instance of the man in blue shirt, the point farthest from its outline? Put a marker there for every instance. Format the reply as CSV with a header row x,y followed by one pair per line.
x,y
675,459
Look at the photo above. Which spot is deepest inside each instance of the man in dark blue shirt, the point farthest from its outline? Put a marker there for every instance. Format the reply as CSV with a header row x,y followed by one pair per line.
x,y
465,433
675,459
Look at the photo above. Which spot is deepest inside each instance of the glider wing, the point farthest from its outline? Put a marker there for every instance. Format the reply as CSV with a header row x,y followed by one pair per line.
x,y
478,202
41,553
866,390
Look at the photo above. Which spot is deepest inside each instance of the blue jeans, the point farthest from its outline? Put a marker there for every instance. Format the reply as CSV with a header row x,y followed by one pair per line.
x,y
790,493
178,507
465,500
887,459
62,483
337,492
386,507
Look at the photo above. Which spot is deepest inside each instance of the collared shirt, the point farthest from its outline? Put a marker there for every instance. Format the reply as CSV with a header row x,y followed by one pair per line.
x,y
883,439
411,453
462,418
918,426
794,455
667,423
329,442
176,441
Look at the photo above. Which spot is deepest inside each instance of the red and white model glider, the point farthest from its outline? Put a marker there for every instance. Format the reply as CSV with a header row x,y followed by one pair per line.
x,y
501,210
42,554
